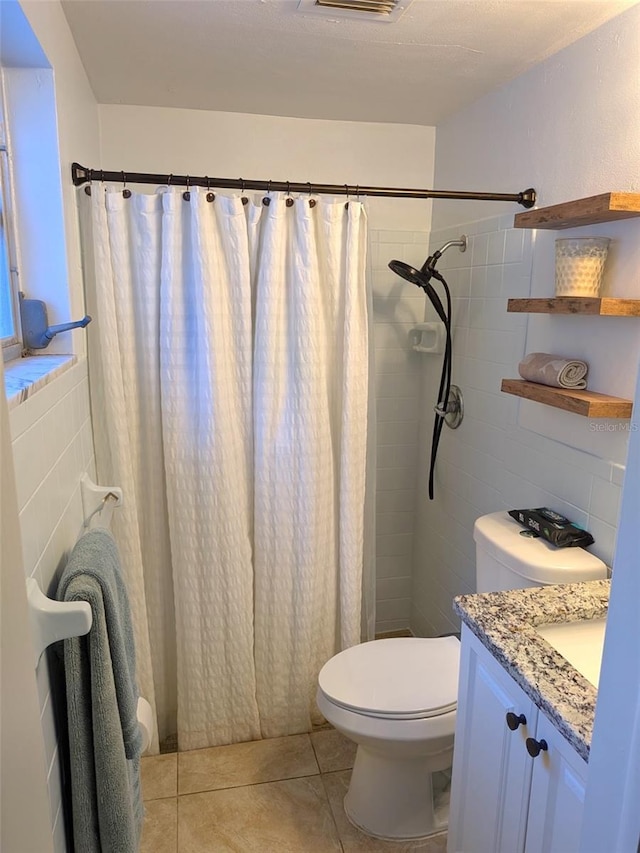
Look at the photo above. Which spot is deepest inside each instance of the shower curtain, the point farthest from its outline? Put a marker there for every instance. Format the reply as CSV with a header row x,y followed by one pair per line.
x,y
229,370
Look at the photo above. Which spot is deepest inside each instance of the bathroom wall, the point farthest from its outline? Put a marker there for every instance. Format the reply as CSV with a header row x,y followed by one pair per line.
x,y
151,139
570,127
51,432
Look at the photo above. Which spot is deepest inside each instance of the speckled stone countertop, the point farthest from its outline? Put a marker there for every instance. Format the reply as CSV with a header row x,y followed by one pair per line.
x,y
505,623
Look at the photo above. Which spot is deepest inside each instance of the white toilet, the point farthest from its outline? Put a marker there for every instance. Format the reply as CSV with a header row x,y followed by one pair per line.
x,y
396,698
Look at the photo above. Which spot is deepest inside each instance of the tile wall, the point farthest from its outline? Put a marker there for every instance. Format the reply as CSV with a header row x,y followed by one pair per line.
x,y
53,447
491,462
397,306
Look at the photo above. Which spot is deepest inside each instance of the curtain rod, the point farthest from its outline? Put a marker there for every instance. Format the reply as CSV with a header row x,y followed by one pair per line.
x,y
81,175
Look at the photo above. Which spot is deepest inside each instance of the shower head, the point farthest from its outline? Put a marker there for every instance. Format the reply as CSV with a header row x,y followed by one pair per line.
x,y
423,276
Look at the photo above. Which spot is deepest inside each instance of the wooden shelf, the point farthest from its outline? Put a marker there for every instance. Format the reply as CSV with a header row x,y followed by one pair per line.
x,y
587,403
585,305
584,211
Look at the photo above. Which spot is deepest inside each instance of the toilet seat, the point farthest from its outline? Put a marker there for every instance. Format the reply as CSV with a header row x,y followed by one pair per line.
x,y
404,678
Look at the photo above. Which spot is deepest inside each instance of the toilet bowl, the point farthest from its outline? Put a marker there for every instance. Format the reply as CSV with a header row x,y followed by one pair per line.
x,y
396,699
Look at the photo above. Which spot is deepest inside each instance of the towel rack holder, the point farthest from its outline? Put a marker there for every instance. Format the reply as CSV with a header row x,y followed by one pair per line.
x,y
54,620
94,498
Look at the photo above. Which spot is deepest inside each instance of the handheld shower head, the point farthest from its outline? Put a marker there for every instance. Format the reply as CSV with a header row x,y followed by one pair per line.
x,y
422,278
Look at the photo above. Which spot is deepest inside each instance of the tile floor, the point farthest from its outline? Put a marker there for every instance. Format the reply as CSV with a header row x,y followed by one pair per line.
x,y
282,795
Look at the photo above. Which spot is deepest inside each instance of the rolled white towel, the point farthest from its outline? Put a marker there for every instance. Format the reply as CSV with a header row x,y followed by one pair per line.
x,y
548,369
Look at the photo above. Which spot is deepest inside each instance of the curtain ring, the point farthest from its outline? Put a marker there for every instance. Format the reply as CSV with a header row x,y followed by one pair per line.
x,y
210,196
187,195
243,197
266,200
170,179
289,201
346,189
312,201
102,176
125,192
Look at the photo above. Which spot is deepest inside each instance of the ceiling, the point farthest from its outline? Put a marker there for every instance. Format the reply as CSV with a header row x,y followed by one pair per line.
x,y
269,57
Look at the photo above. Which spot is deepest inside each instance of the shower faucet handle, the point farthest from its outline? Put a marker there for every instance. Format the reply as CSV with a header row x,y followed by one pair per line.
x,y
453,411
36,331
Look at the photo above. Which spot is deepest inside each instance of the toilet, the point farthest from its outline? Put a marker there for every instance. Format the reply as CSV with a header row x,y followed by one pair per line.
x,y
396,698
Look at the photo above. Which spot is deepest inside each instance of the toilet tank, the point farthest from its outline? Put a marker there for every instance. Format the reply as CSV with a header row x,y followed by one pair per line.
x,y
507,559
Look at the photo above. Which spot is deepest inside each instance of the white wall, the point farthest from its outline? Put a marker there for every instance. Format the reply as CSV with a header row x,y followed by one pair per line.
x,y
150,139
24,803
232,145
51,432
571,128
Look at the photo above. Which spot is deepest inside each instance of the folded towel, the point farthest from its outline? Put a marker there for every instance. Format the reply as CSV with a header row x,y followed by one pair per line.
x,y
554,370
102,697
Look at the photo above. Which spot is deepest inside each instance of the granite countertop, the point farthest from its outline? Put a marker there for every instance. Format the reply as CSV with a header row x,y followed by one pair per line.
x,y
505,623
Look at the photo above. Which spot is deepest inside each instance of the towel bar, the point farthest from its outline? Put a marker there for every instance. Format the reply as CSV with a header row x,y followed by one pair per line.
x,y
54,620
59,620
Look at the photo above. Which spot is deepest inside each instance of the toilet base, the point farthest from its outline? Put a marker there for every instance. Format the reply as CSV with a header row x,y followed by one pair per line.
x,y
392,798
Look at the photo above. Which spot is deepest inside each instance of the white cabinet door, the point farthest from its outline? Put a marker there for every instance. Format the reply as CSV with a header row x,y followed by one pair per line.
x,y
558,789
491,766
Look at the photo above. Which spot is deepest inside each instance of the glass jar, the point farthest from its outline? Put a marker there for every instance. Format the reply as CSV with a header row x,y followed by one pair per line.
x,y
579,265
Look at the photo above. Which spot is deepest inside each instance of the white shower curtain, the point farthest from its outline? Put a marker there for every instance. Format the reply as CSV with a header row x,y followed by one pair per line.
x,y
229,378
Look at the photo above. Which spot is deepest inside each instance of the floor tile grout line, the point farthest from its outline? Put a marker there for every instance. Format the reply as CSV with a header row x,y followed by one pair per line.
x,y
248,785
253,784
333,817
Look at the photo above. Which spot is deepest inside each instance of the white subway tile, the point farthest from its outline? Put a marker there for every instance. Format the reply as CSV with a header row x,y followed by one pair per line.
x,y
496,248
605,501
397,361
617,474
394,544
405,455
393,309
493,285
30,462
605,539
393,609
392,335
394,522
479,247
392,625
396,566
397,432
385,456
514,246
402,500
392,588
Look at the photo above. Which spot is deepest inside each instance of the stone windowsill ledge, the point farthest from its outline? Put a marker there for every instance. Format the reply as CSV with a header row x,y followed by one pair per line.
x,y
24,376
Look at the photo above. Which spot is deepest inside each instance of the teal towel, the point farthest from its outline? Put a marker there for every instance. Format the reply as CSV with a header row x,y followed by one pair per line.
x,y
102,696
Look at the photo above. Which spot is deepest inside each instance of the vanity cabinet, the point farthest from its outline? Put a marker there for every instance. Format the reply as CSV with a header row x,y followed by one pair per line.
x,y
503,800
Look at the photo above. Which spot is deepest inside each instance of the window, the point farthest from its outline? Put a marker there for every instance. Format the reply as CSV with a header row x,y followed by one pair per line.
x,y
9,323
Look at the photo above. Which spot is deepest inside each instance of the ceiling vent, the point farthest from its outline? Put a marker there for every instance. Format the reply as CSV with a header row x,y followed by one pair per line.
x,y
381,11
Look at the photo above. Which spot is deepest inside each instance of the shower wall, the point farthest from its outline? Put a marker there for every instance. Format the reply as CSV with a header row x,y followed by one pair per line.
x,y
229,144
571,128
51,431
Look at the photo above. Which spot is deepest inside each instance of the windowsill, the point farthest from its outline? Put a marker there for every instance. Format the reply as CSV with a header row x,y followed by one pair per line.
x,y
24,376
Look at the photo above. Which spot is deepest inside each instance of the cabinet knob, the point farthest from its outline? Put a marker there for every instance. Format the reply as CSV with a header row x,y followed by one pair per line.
x,y
515,720
535,747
